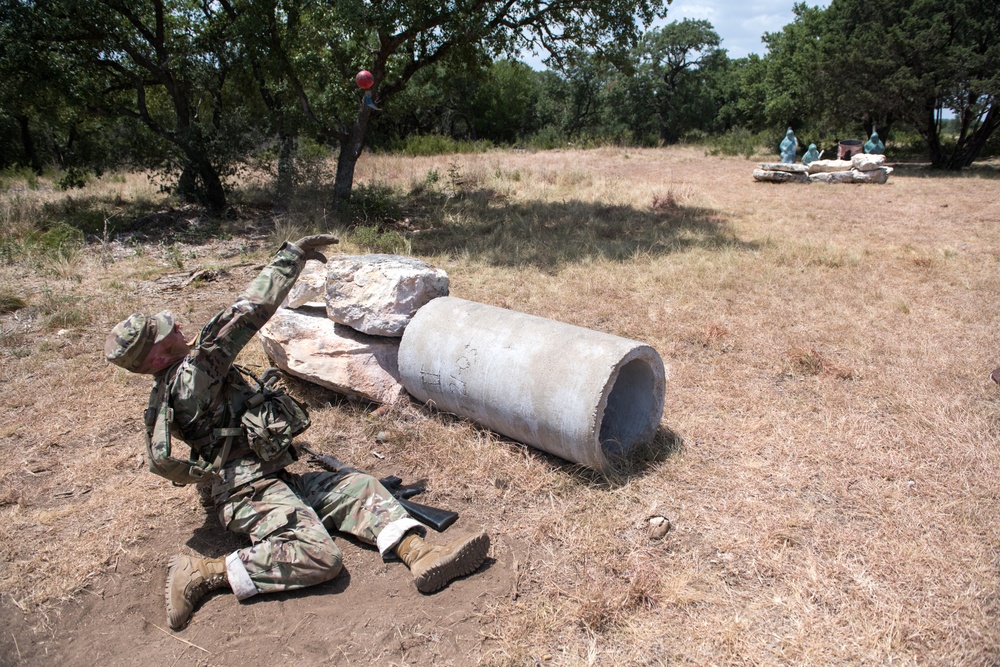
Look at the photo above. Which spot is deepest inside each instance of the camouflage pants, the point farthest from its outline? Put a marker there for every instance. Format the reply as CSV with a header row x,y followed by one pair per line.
x,y
289,519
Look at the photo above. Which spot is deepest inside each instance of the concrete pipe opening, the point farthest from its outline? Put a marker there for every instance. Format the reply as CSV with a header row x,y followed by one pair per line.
x,y
632,398
586,396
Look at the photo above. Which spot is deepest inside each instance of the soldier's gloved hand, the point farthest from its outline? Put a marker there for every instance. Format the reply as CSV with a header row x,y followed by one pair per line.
x,y
308,245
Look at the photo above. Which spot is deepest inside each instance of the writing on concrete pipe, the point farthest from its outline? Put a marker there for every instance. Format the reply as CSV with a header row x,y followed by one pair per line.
x,y
586,396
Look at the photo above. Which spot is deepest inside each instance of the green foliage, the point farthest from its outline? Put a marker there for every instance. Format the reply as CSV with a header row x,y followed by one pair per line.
x,y
438,144
673,89
59,237
371,239
10,302
901,62
794,78
12,177
174,256
374,203
739,141
547,138
501,104
74,177
270,84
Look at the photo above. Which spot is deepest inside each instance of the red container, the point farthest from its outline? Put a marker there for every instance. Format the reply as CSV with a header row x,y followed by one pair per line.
x,y
849,148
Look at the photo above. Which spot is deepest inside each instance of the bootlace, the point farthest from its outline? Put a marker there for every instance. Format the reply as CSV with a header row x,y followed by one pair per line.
x,y
207,584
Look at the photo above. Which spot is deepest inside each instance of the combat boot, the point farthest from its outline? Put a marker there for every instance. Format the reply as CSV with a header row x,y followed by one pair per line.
x,y
189,579
433,565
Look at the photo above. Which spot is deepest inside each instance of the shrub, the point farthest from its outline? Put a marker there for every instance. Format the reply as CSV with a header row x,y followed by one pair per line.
x,y
372,203
371,239
439,144
739,141
74,177
10,176
56,238
10,302
547,138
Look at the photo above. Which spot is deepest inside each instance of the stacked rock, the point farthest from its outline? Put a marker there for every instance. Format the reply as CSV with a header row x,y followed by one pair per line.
x,y
781,172
861,168
341,324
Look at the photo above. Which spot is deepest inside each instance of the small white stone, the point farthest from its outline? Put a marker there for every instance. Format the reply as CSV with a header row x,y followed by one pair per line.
x,y
866,162
310,289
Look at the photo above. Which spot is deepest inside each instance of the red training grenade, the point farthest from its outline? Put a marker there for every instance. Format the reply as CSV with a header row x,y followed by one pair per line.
x,y
364,79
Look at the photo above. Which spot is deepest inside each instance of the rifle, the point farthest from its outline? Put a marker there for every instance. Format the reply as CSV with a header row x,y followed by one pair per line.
x,y
435,517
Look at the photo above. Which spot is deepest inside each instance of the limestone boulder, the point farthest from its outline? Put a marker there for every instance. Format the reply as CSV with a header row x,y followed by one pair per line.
x,y
824,166
783,166
766,176
865,162
379,294
311,347
833,177
310,289
878,176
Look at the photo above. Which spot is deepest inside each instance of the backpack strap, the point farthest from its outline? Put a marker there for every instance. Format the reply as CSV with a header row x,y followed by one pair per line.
x,y
158,417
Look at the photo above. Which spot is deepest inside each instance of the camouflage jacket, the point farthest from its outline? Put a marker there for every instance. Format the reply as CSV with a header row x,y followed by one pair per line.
x,y
205,394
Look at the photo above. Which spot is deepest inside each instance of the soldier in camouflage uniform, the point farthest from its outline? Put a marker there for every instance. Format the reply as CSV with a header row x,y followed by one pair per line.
x,y
198,397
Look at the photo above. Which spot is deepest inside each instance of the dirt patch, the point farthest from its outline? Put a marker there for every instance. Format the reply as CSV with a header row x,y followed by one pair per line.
x,y
370,614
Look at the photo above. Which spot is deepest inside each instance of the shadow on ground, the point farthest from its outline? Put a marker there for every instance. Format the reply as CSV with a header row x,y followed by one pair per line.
x,y
642,460
547,235
479,224
923,170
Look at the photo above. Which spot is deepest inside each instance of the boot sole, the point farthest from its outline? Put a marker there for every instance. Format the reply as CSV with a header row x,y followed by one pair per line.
x,y
465,560
173,614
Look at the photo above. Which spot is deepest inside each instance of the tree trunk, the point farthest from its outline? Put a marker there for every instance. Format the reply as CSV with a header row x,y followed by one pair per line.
x,y
965,155
966,152
199,182
30,154
931,135
350,150
286,173
215,193
187,184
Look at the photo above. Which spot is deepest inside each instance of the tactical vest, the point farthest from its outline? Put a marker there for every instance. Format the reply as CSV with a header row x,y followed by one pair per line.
x,y
269,420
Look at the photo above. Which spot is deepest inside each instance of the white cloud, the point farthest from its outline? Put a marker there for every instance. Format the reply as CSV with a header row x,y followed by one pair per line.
x,y
693,10
740,24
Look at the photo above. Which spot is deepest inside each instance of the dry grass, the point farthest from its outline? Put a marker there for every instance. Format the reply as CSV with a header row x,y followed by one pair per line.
x,y
834,500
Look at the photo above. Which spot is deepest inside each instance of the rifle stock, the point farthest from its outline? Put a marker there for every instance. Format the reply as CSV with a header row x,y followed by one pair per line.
x,y
435,517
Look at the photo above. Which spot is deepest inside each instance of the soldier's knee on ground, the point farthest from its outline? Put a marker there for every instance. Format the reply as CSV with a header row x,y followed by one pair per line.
x,y
324,559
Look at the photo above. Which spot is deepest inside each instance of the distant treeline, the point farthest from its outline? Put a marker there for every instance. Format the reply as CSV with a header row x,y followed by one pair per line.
x,y
196,88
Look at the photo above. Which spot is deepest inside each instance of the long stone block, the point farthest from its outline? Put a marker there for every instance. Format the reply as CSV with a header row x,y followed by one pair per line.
x,y
823,166
793,168
779,176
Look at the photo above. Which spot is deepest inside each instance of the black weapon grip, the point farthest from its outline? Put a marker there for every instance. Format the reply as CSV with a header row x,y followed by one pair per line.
x,y
436,518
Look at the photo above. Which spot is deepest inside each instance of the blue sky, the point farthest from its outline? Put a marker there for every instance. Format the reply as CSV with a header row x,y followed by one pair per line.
x,y
739,24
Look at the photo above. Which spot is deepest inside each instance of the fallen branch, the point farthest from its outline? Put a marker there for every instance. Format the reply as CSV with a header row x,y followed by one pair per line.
x,y
177,638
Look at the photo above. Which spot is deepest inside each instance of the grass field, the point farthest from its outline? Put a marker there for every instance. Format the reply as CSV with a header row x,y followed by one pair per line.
x,y
832,488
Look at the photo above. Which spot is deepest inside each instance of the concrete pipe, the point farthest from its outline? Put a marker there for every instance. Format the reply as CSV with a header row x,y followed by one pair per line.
x,y
585,396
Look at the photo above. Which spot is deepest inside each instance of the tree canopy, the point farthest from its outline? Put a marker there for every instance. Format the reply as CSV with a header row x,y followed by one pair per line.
x,y
195,87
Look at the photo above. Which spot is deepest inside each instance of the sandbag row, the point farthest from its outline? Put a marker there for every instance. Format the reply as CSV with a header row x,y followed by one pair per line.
x,y
861,168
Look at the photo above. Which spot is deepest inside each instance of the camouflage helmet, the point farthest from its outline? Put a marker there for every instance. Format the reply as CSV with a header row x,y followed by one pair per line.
x,y
131,340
